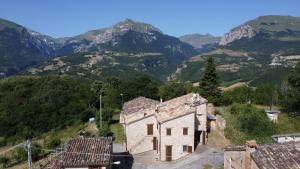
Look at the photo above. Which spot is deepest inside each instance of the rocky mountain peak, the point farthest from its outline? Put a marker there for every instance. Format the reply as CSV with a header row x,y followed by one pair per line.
x,y
129,24
243,31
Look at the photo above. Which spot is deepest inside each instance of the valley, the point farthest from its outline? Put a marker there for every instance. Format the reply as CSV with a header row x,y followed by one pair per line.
x,y
83,86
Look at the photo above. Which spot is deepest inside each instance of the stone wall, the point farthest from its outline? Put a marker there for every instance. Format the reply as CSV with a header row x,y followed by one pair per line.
x,y
177,139
136,133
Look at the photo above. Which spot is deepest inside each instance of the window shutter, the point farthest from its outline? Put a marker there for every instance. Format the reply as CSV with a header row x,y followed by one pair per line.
x,y
150,129
169,131
185,131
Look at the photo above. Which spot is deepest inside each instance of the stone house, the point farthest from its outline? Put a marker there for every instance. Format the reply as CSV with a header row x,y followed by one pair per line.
x,y
83,153
268,156
172,128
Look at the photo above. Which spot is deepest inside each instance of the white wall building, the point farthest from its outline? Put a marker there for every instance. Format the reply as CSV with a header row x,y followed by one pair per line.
x,y
284,138
172,128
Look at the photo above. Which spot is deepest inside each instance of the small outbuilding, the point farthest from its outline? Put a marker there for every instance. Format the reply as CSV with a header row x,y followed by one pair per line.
x,y
84,153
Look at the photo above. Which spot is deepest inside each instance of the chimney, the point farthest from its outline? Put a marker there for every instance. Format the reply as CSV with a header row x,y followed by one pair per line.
x,y
250,147
251,144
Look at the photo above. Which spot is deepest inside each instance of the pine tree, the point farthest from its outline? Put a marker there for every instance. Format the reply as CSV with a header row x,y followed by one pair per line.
x,y
209,84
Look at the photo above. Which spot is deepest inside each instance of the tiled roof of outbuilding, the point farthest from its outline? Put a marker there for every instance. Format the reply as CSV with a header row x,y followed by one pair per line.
x,y
277,156
84,152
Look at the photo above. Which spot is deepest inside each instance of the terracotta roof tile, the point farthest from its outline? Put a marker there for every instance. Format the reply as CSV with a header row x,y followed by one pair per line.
x,y
83,152
142,107
278,156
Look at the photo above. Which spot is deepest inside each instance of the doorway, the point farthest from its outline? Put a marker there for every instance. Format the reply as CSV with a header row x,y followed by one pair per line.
x,y
168,153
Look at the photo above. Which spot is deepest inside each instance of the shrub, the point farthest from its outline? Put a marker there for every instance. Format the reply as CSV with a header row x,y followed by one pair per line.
x,y
253,121
54,143
4,161
2,141
104,131
19,154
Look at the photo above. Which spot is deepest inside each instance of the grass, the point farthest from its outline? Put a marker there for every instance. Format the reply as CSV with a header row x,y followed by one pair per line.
x,y
285,124
118,132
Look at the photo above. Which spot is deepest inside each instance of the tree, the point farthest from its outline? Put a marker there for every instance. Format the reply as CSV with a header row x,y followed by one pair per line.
x,y
291,102
242,95
171,90
209,84
104,131
4,161
140,86
266,95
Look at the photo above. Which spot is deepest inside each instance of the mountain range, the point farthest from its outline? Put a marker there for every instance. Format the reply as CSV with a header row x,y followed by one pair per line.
x,y
200,42
21,47
130,47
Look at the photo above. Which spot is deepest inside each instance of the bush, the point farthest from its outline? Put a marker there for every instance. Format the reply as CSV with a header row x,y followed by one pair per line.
x,y
104,131
36,152
2,141
253,121
54,143
4,161
19,154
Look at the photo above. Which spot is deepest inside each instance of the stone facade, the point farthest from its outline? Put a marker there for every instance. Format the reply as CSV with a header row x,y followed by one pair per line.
x,y
177,140
139,141
172,128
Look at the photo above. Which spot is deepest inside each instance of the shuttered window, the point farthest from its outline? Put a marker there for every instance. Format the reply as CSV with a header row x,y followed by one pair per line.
x,y
150,129
185,131
169,131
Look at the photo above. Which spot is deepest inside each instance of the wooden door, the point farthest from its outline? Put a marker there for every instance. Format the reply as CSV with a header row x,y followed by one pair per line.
x,y
154,143
168,153
190,149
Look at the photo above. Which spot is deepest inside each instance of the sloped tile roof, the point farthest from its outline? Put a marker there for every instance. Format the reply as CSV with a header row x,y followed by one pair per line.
x,y
142,107
179,106
138,104
84,152
277,156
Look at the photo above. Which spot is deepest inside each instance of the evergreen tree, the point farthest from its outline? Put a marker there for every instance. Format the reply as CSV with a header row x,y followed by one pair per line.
x,y
291,102
209,84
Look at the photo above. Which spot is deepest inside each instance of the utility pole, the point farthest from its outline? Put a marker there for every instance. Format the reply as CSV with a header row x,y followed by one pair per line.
x,y
28,149
100,110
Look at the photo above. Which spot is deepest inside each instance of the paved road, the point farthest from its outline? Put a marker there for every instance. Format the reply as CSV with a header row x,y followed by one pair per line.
x,y
194,161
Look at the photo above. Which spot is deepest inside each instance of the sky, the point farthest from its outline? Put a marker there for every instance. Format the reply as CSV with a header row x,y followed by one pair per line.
x,y
60,18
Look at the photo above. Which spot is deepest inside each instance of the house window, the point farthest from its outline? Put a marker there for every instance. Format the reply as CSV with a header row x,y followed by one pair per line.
x,y
184,148
150,129
169,131
185,131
